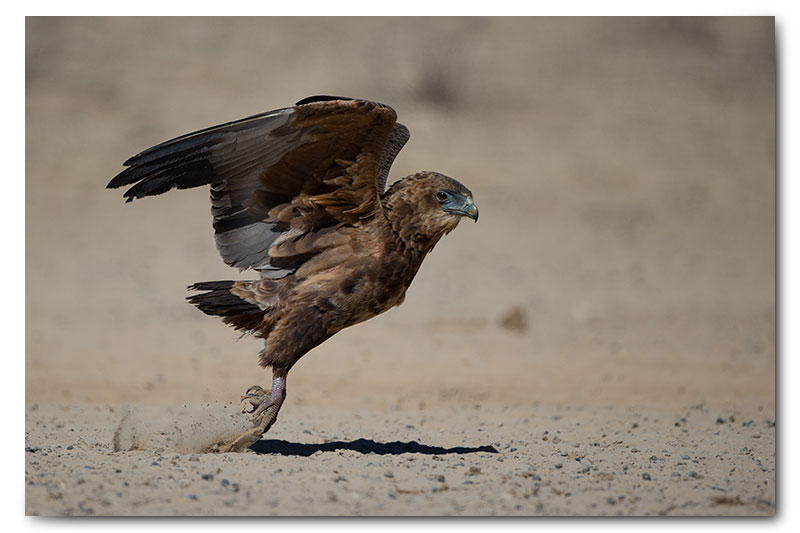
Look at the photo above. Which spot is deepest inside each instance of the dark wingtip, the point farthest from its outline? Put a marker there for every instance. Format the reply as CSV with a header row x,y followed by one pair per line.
x,y
117,181
322,98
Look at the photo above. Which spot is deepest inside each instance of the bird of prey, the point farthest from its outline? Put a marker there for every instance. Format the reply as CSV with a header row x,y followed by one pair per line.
x,y
297,195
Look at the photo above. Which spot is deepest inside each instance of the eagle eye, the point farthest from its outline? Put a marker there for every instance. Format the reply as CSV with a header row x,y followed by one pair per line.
x,y
441,196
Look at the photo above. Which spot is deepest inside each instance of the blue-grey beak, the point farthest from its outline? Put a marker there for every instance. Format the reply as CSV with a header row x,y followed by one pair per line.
x,y
471,210
461,205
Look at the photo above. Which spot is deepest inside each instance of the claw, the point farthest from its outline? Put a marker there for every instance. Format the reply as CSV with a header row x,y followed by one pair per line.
x,y
263,406
247,406
255,390
253,398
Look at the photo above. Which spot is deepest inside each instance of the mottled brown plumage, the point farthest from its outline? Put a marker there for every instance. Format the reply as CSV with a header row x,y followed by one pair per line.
x,y
297,195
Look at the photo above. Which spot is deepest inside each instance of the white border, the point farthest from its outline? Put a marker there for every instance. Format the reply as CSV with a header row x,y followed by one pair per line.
x,y
13,143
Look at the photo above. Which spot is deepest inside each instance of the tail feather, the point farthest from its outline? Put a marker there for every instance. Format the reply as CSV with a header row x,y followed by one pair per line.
x,y
218,300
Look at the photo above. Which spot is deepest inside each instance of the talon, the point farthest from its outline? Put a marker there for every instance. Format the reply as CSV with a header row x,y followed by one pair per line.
x,y
255,390
263,407
253,398
247,407
249,404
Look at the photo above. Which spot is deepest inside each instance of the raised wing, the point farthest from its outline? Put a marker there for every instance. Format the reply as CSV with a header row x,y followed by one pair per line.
x,y
278,176
397,139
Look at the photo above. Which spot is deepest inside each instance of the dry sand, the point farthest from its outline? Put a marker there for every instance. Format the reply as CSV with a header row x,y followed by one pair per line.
x,y
460,460
601,342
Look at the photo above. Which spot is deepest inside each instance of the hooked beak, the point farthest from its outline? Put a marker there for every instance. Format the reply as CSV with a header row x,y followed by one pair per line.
x,y
470,210
467,207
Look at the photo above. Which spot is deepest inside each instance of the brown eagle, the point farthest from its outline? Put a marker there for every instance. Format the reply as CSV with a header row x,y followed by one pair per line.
x,y
297,194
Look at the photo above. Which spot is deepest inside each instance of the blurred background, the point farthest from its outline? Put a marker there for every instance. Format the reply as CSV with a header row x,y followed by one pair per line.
x,y
624,170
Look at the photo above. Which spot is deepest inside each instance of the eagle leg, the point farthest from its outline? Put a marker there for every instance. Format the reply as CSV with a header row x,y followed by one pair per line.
x,y
264,407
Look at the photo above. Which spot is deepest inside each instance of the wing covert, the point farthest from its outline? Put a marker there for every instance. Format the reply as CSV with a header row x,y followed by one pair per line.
x,y
278,175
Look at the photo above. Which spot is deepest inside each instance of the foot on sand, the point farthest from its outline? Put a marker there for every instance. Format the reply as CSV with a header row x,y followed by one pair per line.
x,y
264,407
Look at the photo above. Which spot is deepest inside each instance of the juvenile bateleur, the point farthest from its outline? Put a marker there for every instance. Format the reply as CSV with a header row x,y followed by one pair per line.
x,y
297,195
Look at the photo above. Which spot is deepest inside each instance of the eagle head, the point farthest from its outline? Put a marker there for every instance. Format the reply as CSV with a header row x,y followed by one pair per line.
x,y
425,206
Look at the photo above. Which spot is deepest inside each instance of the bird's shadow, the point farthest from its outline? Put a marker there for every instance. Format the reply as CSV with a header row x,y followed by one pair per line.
x,y
365,446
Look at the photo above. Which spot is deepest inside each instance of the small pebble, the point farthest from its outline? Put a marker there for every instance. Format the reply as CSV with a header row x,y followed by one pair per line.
x,y
388,474
646,476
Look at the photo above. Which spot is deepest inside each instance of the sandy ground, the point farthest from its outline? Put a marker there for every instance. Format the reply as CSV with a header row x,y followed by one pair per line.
x,y
462,460
600,343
